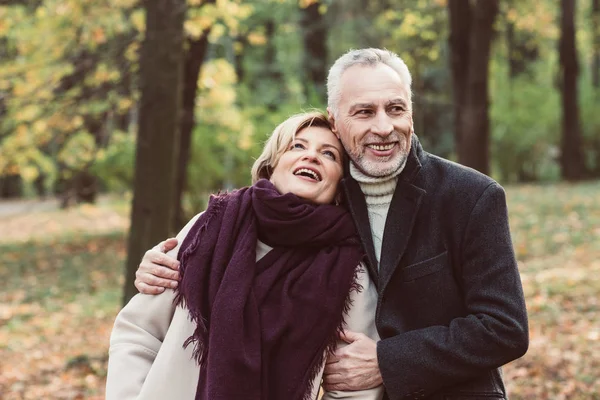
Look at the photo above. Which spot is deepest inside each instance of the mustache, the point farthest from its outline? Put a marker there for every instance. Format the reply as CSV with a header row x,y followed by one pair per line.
x,y
394,136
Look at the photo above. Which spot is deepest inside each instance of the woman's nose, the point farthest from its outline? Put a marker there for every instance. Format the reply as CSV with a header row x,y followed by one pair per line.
x,y
311,156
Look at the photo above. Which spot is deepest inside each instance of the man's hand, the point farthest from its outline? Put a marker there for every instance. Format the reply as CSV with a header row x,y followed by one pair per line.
x,y
158,271
353,367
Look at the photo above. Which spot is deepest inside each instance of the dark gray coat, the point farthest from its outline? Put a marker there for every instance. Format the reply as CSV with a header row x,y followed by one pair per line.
x,y
451,309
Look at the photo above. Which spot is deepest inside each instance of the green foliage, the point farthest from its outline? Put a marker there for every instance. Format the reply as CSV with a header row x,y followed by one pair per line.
x,y
68,84
590,104
525,124
114,164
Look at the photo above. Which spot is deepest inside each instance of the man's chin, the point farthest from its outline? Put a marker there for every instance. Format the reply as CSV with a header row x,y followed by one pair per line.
x,y
379,169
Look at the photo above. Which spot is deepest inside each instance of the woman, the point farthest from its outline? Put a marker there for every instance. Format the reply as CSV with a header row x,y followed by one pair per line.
x,y
239,329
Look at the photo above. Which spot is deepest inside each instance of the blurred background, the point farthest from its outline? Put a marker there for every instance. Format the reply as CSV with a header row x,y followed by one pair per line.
x,y
510,88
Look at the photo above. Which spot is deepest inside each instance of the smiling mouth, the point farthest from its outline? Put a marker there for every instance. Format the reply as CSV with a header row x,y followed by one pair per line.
x,y
381,147
308,173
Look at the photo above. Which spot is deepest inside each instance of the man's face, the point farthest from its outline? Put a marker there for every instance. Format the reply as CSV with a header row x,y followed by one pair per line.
x,y
374,119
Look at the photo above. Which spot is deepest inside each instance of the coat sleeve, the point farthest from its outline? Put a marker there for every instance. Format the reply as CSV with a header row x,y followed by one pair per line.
x,y
137,335
494,330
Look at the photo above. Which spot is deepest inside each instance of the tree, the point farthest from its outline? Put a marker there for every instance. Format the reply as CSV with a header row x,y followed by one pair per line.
x,y
572,161
195,54
314,35
161,67
471,33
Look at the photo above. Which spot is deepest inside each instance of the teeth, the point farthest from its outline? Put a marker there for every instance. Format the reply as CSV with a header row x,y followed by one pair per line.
x,y
309,172
382,147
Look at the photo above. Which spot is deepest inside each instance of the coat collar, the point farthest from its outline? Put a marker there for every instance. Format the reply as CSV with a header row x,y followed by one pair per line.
x,y
404,206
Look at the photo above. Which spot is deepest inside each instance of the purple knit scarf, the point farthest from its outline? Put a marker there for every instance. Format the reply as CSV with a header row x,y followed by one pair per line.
x,y
263,328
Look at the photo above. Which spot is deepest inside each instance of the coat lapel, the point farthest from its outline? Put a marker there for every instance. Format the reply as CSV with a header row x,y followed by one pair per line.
x,y
401,216
398,228
400,219
358,209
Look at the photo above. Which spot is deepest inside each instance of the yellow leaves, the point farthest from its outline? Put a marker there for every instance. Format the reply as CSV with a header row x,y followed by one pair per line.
x,y
78,151
512,15
138,20
99,36
222,17
27,113
307,3
29,173
103,74
196,26
257,39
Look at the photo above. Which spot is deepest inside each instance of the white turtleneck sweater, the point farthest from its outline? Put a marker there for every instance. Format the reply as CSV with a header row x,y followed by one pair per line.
x,y
378,195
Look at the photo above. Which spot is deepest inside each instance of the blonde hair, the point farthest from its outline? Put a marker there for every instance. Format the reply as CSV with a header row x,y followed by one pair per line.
x,y
280,140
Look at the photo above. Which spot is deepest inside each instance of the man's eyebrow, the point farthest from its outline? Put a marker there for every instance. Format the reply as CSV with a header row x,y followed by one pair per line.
x,y
361,105
397,101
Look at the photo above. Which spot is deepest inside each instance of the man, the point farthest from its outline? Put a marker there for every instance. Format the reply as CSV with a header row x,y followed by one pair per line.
x,y
450,309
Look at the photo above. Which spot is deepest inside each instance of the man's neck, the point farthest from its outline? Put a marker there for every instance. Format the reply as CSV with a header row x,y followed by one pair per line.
x,y
377,190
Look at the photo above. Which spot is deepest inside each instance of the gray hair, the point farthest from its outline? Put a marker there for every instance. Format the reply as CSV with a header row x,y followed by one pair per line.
x,y
365,57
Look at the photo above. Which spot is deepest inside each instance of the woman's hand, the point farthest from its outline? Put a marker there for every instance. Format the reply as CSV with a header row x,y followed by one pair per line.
x,y
157,270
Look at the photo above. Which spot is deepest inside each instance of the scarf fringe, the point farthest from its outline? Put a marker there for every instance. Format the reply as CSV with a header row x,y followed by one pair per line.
x,y
331,342
199,338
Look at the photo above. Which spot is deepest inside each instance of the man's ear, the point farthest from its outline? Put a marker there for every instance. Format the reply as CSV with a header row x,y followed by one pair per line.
x,y
331,119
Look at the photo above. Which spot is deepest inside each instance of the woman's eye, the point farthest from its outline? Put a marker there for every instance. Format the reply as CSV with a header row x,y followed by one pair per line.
x,y
297,146
329,154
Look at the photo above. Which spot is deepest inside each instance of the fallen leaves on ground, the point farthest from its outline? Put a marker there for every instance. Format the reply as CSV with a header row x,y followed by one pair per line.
x,y
62,288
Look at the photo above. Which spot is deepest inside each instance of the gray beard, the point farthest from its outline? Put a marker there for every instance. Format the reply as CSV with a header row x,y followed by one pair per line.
x,y
394,170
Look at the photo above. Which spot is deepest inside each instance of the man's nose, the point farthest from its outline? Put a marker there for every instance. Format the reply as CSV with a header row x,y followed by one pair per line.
x,y
382,124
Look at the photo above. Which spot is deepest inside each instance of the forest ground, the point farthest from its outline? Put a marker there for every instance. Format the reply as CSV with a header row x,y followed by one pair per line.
x,y
61,274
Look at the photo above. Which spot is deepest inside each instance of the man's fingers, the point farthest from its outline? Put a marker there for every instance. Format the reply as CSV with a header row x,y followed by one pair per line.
x,y
154,278
333,382
168,245
333,358
154,256
147,289
349,336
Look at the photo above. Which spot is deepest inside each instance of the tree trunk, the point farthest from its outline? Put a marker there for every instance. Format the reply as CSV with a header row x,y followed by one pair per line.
x,y
272,70
161,63
471,84
314,35
194,59
572,158
460,28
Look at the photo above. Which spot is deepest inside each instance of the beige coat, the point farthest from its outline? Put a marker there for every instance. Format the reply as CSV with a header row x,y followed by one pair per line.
x,y
147,360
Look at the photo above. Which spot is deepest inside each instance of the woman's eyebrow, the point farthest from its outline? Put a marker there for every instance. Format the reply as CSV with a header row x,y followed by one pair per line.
x,y
330,146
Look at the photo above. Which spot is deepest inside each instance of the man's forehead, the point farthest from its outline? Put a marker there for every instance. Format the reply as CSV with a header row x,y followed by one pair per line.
x,y
365,81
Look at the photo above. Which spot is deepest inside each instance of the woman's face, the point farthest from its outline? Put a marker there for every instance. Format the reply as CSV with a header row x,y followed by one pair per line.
x,y
311,167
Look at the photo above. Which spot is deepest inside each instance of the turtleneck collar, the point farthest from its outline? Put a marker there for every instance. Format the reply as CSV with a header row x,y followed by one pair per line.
x,y
377,190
